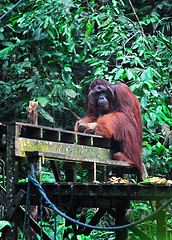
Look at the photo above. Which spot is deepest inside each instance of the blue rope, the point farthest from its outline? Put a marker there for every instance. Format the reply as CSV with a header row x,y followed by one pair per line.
x,y
55,226
26,210
41,214
10,9
52,206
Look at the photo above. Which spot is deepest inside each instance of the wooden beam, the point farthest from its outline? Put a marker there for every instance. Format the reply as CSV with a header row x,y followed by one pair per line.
x,y
20,218
114,192
25,144
15,204
32,223
56,171
94,221
60,135
161,223
77,158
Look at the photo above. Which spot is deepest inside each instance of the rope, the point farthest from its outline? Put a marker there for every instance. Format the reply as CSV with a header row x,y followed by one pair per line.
x,y
10,9
41,214
26,211
3,171
55,226
52,206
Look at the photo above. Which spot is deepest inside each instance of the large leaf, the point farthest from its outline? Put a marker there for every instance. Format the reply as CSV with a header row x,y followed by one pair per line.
x,y
4,52
89,28
43,101
46,115
4,224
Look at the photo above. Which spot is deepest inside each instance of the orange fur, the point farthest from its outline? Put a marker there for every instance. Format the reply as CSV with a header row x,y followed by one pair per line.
x,y
122,123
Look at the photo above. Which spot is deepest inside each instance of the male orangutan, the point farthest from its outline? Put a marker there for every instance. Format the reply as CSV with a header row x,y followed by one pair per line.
x,y
114,112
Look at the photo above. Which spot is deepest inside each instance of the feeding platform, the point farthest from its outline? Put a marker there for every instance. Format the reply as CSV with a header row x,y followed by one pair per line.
x,y
34,143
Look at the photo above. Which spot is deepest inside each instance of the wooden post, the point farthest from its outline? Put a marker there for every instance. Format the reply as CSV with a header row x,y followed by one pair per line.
x,y
161,224
36,167
32,118
71,213
94,221
91,167
11,178
70,171
134,229
120,234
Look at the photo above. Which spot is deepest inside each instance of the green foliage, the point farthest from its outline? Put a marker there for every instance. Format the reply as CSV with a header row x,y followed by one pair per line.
x,y
4,224
50,52
35,63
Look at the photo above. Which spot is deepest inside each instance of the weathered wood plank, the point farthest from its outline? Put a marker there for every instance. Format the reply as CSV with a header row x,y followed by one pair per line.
x,y
75,158
33,131
11,176
112,191
26,144
161,223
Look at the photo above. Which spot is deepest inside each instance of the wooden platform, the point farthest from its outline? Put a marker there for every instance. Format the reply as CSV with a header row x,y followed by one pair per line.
x,y
77,151
102,194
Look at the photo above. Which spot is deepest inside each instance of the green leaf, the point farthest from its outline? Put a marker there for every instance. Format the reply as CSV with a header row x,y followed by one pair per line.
x,y
4,52
70,93
150,123
43,101
89,27
144,76
45,54
143,102
159,109
66,77
1,36
67,68
30,86
129,74
138,61
154,93
4,224
70,235
150,73
4,83
99,71
8,44
153,116
119,74
37,33
46,115
160,148
67,74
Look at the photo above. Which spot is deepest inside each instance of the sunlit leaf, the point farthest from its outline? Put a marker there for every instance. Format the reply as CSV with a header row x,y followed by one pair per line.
x,y
4,224
43,101
119,73
89,27
143,102
70,93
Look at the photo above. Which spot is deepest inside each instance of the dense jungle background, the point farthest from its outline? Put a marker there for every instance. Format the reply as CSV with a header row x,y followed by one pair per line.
x,y
50,51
